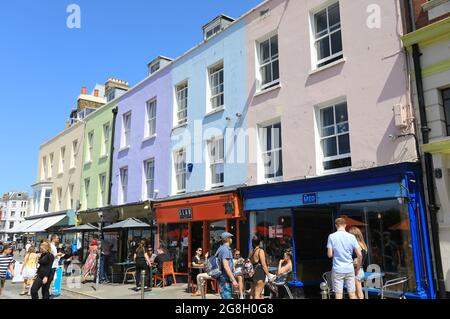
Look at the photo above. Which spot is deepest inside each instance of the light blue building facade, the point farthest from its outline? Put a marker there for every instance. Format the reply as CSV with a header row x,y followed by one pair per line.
x,y
209,88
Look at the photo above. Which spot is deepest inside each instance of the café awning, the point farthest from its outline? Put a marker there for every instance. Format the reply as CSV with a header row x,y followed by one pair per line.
x,y
44,223
20,228
82,228
129,223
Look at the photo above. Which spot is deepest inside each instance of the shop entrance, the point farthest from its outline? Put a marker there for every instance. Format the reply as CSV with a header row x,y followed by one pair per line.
x,y
312,226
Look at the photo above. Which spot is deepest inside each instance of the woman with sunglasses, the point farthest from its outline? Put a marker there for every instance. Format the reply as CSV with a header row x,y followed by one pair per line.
x,y
198,262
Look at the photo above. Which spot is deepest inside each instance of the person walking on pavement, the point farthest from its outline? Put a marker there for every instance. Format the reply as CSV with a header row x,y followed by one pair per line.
x,y
28,270
225,256
104,261
142,261
90,266
43,273
340,247
6,264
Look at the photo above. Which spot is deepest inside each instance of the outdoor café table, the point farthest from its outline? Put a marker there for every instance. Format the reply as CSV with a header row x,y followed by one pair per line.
x,y
370,276
125,265
201,270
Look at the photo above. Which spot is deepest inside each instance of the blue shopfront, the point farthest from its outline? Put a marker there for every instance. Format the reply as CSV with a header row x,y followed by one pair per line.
x,y
385,203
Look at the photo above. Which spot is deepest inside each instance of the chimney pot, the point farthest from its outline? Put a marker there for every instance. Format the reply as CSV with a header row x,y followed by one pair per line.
x,y
83,90
96,93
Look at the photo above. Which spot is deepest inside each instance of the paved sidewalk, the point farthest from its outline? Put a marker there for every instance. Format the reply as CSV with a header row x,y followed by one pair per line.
x,y
119,291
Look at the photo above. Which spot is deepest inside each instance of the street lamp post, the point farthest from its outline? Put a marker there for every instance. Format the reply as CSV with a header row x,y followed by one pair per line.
x,y
99,251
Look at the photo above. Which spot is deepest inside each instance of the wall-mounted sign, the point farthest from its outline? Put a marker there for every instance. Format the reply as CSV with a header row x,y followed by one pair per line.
x,y
310,198
185,213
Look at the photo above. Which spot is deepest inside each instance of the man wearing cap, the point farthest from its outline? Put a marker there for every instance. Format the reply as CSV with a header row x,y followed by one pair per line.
x,y
225,256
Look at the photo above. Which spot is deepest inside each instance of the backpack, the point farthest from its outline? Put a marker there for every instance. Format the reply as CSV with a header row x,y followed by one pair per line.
x,y
249,271
213,267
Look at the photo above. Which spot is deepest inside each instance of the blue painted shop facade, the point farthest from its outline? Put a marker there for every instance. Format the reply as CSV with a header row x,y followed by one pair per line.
x,y
385,203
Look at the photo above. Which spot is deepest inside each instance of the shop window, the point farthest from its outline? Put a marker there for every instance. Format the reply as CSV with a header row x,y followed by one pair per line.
x,y
386,228
134,238
274,228
215,230
174,238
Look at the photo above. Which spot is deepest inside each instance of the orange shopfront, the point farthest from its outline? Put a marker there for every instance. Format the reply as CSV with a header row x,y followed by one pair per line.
x,y
188,223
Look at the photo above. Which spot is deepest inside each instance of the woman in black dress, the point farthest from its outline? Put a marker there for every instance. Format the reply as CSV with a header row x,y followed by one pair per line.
x,y
258,259
142,263
43,273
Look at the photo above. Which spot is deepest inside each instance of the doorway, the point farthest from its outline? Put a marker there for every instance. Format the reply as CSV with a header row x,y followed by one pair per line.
x,y
312,226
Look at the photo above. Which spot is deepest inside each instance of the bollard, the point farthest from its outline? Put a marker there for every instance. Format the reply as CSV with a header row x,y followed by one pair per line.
x,y
325,291
142,284
151,279
202,287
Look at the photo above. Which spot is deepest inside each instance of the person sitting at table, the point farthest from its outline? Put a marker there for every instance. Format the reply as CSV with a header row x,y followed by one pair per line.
x,y
160,259
284,268
152,255
238,263
198,262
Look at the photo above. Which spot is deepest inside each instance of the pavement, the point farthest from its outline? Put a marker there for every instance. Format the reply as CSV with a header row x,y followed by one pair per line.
x,y
72,288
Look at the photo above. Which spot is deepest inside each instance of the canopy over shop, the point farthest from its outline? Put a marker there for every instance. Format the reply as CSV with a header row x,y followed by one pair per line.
x,y
40,227
122,226
385,203
195,220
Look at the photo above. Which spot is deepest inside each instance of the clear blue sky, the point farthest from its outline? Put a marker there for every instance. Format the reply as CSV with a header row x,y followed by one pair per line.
x,y
44,64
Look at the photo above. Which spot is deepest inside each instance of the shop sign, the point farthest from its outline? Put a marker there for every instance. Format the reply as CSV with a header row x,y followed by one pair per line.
x,y
276,231
310,198
185,213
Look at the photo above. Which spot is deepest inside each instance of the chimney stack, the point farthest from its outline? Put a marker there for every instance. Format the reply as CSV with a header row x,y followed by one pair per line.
x,y
83,90
96,93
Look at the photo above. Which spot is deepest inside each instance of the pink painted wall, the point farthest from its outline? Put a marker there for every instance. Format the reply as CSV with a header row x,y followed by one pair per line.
x,y
373,79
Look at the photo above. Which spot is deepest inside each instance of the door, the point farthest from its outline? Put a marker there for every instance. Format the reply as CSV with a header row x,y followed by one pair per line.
x,y
311,230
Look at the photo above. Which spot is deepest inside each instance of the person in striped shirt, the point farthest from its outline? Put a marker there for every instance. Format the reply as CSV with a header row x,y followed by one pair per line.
x,y
6,263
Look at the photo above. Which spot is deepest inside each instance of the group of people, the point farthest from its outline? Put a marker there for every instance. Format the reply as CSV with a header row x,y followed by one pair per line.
x,y
38,268
236,271
349,253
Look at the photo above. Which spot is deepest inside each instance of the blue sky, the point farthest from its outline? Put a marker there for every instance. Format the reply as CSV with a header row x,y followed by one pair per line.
x,y
44,64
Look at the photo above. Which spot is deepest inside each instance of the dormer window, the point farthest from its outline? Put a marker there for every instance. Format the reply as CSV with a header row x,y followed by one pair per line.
x,y
155,67
216,25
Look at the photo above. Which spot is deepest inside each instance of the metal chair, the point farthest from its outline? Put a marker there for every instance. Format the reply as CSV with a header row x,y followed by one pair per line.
x,y
131,271
328,280
282,281
389,294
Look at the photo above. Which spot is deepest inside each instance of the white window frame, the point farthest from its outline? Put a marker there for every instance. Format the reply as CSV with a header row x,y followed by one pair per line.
x,y
180,169
90,146
106,133
319,137
315,40
51,160
182,103
214,90
87,186
62,160
273,150
272,59
152,108
70,189
216,158
73,157
149,180
59,198
49,199
102,189
126,132
124,178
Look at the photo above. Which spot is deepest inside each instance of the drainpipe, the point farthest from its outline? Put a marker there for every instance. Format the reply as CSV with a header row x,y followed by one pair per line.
x,y
429,169
111,155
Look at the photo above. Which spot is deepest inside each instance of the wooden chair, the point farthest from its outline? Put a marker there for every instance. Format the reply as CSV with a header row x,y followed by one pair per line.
x,y
167,270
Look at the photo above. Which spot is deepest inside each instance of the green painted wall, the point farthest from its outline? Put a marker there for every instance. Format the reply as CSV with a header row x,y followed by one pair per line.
x,y
100,157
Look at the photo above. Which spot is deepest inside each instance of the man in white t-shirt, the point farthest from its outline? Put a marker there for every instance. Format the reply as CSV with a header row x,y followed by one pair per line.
x,y
54,244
